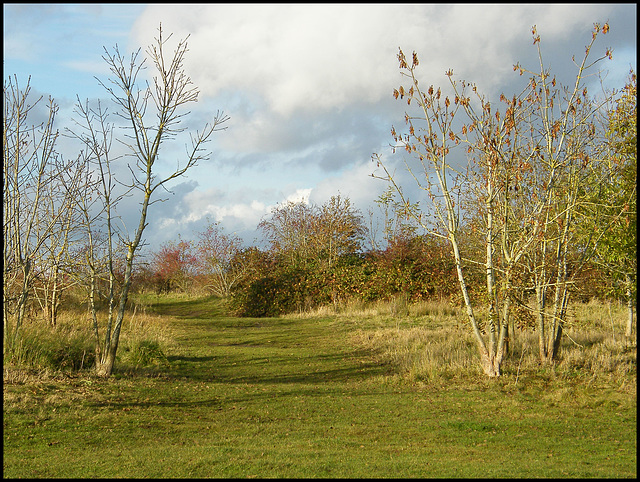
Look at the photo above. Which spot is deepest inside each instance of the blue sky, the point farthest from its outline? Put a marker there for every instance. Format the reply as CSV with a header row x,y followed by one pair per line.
x,y
308,87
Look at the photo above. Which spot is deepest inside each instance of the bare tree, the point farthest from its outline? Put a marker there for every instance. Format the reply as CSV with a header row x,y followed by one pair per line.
x,y
28,150
97,204
219,260
59,199
302,232
153,115
289,230
339,229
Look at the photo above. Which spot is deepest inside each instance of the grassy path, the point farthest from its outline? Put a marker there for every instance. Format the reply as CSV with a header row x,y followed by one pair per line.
x,y
293,398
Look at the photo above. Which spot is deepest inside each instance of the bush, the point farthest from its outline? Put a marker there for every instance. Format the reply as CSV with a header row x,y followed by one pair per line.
x,y
284,291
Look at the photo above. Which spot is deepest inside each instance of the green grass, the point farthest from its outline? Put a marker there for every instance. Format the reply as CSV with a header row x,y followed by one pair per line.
x,y
303,397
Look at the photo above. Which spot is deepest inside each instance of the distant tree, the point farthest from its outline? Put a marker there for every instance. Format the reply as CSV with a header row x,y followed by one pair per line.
x,y
338,229
219,260
174,266
397,222
302,233
289,229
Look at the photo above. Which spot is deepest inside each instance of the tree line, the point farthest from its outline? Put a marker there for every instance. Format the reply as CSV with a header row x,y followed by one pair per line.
x,y
540,213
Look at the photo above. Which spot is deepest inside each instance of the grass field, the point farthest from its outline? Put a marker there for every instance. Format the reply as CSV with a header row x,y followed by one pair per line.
x,y
322,395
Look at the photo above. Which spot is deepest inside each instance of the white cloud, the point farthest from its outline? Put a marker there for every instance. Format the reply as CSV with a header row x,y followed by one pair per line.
x,y
308,87
238,209
355,183
325,56
297,57
301,195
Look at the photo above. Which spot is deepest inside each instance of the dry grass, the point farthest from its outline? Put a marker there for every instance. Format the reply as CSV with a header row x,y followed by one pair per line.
x,y
431,340
399,306
45,353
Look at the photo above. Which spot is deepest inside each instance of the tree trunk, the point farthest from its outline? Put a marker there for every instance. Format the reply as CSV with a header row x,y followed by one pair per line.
x,y
540,307
104,363
53,309
488,361
629,329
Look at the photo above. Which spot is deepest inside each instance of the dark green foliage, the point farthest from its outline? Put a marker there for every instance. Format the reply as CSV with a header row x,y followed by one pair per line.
x,y
419,268
271,295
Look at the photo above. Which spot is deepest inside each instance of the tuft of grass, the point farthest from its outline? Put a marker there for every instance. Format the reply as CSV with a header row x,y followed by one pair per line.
x,y
142,353
44,351
421,353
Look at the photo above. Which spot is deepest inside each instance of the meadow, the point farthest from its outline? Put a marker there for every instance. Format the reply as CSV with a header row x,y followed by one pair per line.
x,y
357,390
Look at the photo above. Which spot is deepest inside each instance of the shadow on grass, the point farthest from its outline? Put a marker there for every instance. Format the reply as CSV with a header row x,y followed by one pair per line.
x,y
208,307
302,357
336,375
304,371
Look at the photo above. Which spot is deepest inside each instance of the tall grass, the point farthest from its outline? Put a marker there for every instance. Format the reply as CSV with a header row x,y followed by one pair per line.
x,y
398,307
70,346
66,347
430,340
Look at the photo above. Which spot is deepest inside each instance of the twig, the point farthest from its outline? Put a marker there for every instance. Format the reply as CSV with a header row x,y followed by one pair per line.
x,y
519,365
575,342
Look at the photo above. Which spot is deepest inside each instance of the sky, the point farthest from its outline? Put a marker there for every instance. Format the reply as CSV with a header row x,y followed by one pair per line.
x,y
308,87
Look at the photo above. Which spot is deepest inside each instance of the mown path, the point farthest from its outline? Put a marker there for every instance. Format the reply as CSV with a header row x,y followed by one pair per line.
x,y
294,398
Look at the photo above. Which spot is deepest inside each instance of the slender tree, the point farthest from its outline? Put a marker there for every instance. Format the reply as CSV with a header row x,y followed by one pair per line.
x,y
562,134
153,115
28,150
527,166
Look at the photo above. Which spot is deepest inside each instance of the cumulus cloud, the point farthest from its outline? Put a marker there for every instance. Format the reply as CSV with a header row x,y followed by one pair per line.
x,y
309,86
291,76
239,209
319,57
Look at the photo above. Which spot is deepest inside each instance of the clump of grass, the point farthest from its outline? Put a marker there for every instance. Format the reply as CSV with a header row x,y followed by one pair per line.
x,y
145,338
142,353
422,352
399,305
433,308
41,347
44,351
351,307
